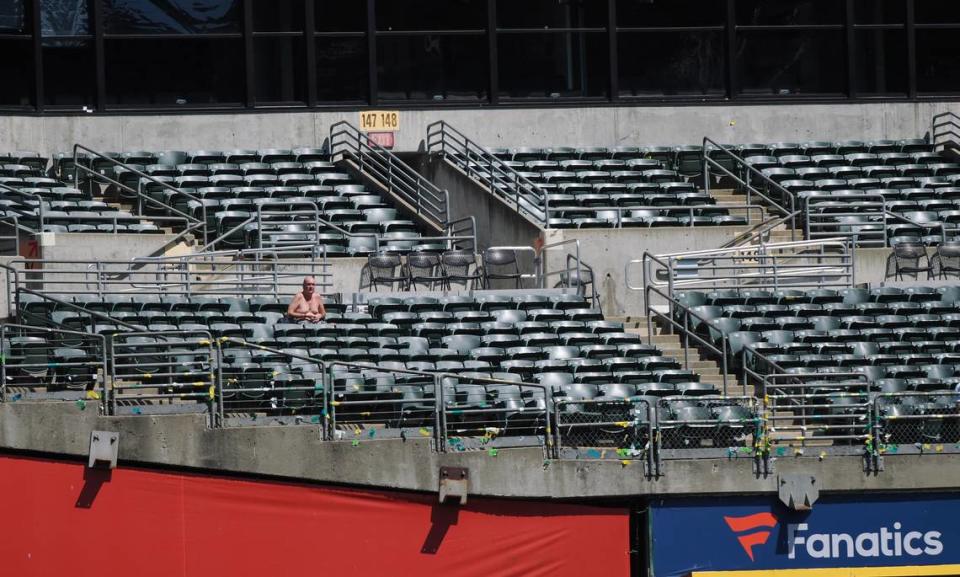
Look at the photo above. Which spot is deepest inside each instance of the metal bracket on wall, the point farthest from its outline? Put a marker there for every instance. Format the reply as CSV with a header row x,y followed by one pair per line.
x,y
104,447
798,491
454,483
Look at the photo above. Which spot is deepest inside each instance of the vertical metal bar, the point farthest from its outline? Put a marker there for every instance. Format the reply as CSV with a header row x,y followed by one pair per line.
x,y
248,60
310,46
329,412
98,43
492,52
725,343
372,50
612,45
851,51
37,32
104,391
911,49
218,386
439,415
3,362
731,67
113,374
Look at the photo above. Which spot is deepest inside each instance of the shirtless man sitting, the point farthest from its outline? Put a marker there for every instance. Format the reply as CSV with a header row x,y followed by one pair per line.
x,y
307,305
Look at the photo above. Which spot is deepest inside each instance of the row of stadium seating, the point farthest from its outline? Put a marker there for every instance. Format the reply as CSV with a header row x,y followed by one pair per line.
x,y
224,193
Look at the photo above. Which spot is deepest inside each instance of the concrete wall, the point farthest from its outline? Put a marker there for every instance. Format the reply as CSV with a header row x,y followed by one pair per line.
x,y
101,246
296,452
607,252
605,126
497,223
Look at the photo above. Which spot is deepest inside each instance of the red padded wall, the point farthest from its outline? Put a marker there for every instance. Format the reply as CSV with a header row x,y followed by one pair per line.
x,y
61,520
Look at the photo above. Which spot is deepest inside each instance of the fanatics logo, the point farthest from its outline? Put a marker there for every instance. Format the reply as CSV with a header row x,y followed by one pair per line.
x,y
745,528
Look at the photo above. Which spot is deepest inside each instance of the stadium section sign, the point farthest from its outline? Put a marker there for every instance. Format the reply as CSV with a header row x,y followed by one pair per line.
x,y
695,536
381,126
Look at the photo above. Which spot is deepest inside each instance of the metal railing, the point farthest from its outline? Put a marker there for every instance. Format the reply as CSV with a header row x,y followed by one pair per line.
x,y
417,193
785,205
866,216
48,363
91,155
141,373
719,422
501,180
912,422
607,428
190,275
816,407
35,198
945,131
10,240
169,371
814,263
760,233
753,212
686,333
350,399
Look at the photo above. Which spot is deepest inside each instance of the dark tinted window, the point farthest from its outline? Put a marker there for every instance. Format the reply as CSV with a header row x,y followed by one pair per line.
x,y
340,16
431,14
438,68
342,69
167,72
671,63
171,16
937,11
643,13
881,57
569,64
786,12
938,68
16,87
64,17
551,13
69,73
279,70
13,18
880,11
791,62
278,16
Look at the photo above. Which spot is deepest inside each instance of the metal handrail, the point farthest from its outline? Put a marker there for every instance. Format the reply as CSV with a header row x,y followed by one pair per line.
x,y
543,273
672,207
444,138
95,278
92,336
454,230
761,229
760,252
140,196
36,197
326,369
65,304
686,333
422,195
816,220
934,224
951,122
709,144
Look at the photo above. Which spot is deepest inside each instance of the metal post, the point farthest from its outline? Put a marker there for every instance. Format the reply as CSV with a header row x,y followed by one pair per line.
x,y
329,418
439,415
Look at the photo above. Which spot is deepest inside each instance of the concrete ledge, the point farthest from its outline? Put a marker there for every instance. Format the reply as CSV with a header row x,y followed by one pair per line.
x,y
298,453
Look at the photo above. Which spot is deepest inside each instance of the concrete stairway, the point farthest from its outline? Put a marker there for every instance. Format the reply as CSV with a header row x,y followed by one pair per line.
x,y
731,197
672,347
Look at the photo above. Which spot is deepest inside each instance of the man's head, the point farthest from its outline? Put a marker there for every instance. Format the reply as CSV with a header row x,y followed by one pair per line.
x,y
309,286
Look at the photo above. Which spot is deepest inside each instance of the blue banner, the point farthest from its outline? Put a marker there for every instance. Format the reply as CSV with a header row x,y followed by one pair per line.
x,y
758,533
